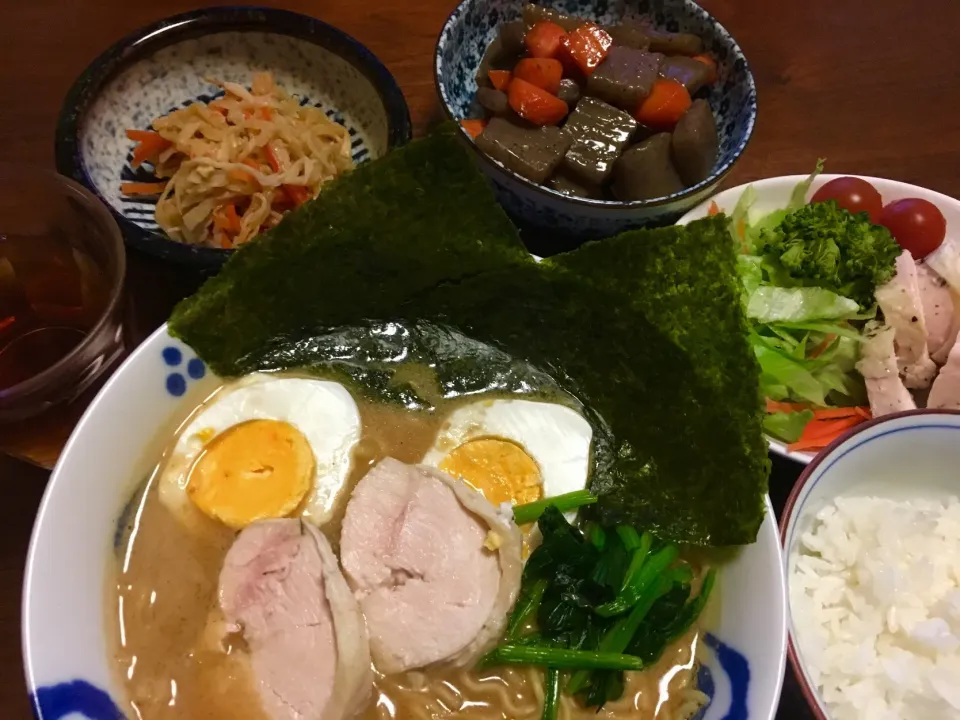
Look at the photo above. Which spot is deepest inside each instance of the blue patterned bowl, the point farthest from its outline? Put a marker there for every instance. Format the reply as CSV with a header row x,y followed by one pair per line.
x,y
166,65
473,25
87,507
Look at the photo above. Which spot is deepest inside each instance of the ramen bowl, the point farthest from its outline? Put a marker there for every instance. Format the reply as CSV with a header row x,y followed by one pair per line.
x,y
87,511
169,64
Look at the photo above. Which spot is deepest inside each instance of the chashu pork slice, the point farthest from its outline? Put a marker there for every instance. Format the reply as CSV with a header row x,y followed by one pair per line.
x,y
939,312
436,567
945,392
280,586
903,311
878,365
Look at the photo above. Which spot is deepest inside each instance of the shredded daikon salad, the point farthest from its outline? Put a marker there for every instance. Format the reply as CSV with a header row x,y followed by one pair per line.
x,y
232,167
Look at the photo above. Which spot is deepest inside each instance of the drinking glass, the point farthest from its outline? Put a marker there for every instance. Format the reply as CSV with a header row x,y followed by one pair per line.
x,y
62,268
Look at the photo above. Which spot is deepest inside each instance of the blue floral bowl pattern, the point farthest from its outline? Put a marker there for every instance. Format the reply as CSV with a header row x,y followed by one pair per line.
x,y
169,64
78,697
733,99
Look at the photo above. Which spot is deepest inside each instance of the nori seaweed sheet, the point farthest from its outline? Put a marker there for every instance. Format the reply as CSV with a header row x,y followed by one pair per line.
x,y
645,329
369,358
418,216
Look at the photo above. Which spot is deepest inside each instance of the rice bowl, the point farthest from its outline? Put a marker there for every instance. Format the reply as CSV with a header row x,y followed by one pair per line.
x,y
872,571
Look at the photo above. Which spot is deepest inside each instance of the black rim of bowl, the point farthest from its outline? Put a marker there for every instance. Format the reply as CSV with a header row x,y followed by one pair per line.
x,y
702,186
156,36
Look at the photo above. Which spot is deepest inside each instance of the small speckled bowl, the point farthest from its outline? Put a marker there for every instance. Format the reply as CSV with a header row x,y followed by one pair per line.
x,y
167,65
473,25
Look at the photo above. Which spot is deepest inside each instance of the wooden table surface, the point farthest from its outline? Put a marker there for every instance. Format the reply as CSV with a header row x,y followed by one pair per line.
x,y
867,84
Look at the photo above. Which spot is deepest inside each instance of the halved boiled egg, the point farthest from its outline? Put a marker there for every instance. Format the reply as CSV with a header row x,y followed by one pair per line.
x,y
515,451
265,447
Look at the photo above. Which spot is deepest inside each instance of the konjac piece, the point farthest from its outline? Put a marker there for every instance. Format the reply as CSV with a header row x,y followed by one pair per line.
x,y
533,153
631,34
600,132
565,183
625,77
671,43
532,14
690,73
695,143
646,171
569,91
495,101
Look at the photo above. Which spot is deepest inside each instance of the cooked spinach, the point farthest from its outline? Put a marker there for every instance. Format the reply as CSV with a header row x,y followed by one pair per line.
x,y
565,502
599,611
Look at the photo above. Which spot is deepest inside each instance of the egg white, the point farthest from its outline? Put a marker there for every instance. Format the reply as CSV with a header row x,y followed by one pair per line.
x,y
323,411
556,437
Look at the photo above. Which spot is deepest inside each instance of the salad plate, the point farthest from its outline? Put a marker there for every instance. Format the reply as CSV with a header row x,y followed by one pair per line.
x,y
822,324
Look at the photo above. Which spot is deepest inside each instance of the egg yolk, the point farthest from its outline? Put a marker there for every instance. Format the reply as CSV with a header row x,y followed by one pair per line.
x,y
499,469
255,470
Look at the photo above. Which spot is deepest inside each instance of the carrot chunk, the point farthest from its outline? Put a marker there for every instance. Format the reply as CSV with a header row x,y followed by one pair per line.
x,y
543,39
225,218
473,126
535,104
142,188
820,433
298,193
587,47
844,412
775,406
500,79
149,147
545,73
664,106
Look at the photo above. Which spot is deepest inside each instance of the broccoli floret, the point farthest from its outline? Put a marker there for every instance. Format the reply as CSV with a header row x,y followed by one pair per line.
x,y
825,246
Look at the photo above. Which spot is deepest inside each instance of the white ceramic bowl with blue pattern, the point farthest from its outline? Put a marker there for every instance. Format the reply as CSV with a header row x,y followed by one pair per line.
x,y
168,65
138,410
911,455
733,98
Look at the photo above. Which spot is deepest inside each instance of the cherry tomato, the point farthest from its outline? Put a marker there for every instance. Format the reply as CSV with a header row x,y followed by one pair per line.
x,y
917,225
852,194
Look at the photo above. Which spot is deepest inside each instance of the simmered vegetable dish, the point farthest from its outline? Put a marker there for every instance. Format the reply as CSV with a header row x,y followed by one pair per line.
x,y
596,112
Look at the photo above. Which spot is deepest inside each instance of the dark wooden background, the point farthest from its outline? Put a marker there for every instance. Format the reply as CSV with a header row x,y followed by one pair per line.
x,y
871,85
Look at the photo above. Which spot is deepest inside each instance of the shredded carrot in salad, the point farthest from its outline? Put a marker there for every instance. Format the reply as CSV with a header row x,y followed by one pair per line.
x,y
230,168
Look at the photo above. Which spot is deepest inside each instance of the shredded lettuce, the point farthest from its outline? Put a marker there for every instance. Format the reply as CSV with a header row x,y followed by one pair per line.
x,y
798,198
783,377
769,304
806,336
740,216
750,268
787,426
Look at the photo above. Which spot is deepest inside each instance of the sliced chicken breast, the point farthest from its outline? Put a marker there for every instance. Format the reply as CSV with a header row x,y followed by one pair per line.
x,y
939,312
903,311
945,392
878,365
436,567
280,586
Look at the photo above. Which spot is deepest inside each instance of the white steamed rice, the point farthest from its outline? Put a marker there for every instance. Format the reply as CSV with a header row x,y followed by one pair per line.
x,y
875,598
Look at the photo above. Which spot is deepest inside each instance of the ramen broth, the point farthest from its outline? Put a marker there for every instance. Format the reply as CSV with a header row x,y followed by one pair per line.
x,y
173,655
